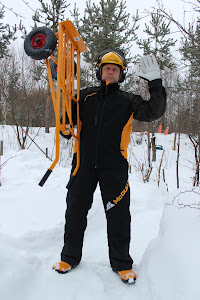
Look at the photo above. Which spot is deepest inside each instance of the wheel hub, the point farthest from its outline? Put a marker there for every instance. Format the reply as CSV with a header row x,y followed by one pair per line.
x,y
38,41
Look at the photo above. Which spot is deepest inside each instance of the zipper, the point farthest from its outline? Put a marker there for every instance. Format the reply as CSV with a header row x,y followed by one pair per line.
x,y
96,115
99,127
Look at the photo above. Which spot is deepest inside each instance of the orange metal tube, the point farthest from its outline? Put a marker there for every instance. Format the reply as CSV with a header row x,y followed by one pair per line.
x,y
57,103
69,42
78,118
53,95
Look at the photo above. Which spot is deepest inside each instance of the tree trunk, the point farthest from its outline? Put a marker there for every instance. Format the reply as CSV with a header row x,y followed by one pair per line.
x,y
177,161
153,142
47,112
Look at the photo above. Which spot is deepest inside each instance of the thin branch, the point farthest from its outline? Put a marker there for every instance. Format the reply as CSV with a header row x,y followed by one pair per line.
x,y
11,9
182,205
27,4
5,162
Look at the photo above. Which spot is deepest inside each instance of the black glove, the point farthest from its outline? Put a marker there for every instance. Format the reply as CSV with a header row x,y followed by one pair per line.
x,y
66,136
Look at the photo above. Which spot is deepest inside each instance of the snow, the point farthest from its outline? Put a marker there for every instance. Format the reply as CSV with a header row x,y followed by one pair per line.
x,y
165,227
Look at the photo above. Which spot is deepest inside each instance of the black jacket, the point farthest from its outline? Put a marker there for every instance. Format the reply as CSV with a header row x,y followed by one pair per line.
x,y
106,114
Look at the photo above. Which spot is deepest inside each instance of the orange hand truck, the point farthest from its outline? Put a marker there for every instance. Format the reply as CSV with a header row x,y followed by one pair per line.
x,y
40,44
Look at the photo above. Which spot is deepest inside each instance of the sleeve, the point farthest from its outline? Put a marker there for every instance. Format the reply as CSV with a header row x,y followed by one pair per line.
x,y
147,111
74,113
74,120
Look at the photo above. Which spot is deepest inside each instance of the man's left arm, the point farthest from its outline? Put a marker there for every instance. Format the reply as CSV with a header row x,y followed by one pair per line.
x,y
153,109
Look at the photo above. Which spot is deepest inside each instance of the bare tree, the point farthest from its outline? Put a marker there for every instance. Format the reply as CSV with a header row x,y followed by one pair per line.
x,y
196,145
23,95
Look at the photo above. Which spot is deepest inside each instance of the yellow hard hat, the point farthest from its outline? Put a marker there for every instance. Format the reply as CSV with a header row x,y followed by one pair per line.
x,y
112,58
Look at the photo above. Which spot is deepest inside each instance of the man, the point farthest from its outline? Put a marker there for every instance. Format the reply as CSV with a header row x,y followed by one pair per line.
x,y
106,114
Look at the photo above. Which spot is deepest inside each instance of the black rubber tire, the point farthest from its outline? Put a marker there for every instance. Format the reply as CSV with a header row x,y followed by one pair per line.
x,y
40,43
53,67
54,70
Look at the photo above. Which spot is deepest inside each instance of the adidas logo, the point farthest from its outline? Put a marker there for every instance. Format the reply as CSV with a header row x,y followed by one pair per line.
x,y
109,206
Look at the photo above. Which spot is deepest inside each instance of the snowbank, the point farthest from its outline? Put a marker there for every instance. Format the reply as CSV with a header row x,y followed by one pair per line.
x,y
165,232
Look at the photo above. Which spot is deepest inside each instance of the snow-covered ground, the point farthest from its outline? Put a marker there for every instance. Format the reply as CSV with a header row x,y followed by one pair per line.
x,y
165,241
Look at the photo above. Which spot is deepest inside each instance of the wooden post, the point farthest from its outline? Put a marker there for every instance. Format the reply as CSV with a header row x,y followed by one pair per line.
x,y
1,148
149,149
177,161
174,147
1,153
165,180
47,110
47,155
153,143
160,168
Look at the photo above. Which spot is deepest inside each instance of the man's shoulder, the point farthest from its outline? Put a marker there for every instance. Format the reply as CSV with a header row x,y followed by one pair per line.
x,y
90,89
87,91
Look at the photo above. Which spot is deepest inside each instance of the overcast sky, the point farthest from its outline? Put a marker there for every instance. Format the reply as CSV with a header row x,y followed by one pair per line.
x,y
178,7
181,10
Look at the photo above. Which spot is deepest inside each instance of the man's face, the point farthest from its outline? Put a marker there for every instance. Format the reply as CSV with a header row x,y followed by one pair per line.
x,y
110,73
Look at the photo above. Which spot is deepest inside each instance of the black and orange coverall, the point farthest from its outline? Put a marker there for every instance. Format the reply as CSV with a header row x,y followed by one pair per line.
x,y
106,114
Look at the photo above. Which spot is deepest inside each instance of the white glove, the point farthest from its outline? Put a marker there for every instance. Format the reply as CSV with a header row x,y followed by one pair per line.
x,y
149,68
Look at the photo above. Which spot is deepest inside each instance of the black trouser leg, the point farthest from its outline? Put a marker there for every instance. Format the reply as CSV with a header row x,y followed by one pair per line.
x,y
115,190
79,201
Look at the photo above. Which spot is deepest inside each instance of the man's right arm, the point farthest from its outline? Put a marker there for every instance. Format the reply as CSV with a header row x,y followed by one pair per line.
x,y
83,94
74,120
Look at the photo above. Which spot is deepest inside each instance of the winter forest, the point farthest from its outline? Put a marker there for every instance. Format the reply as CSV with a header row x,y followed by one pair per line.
x,y
164,169
25,97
